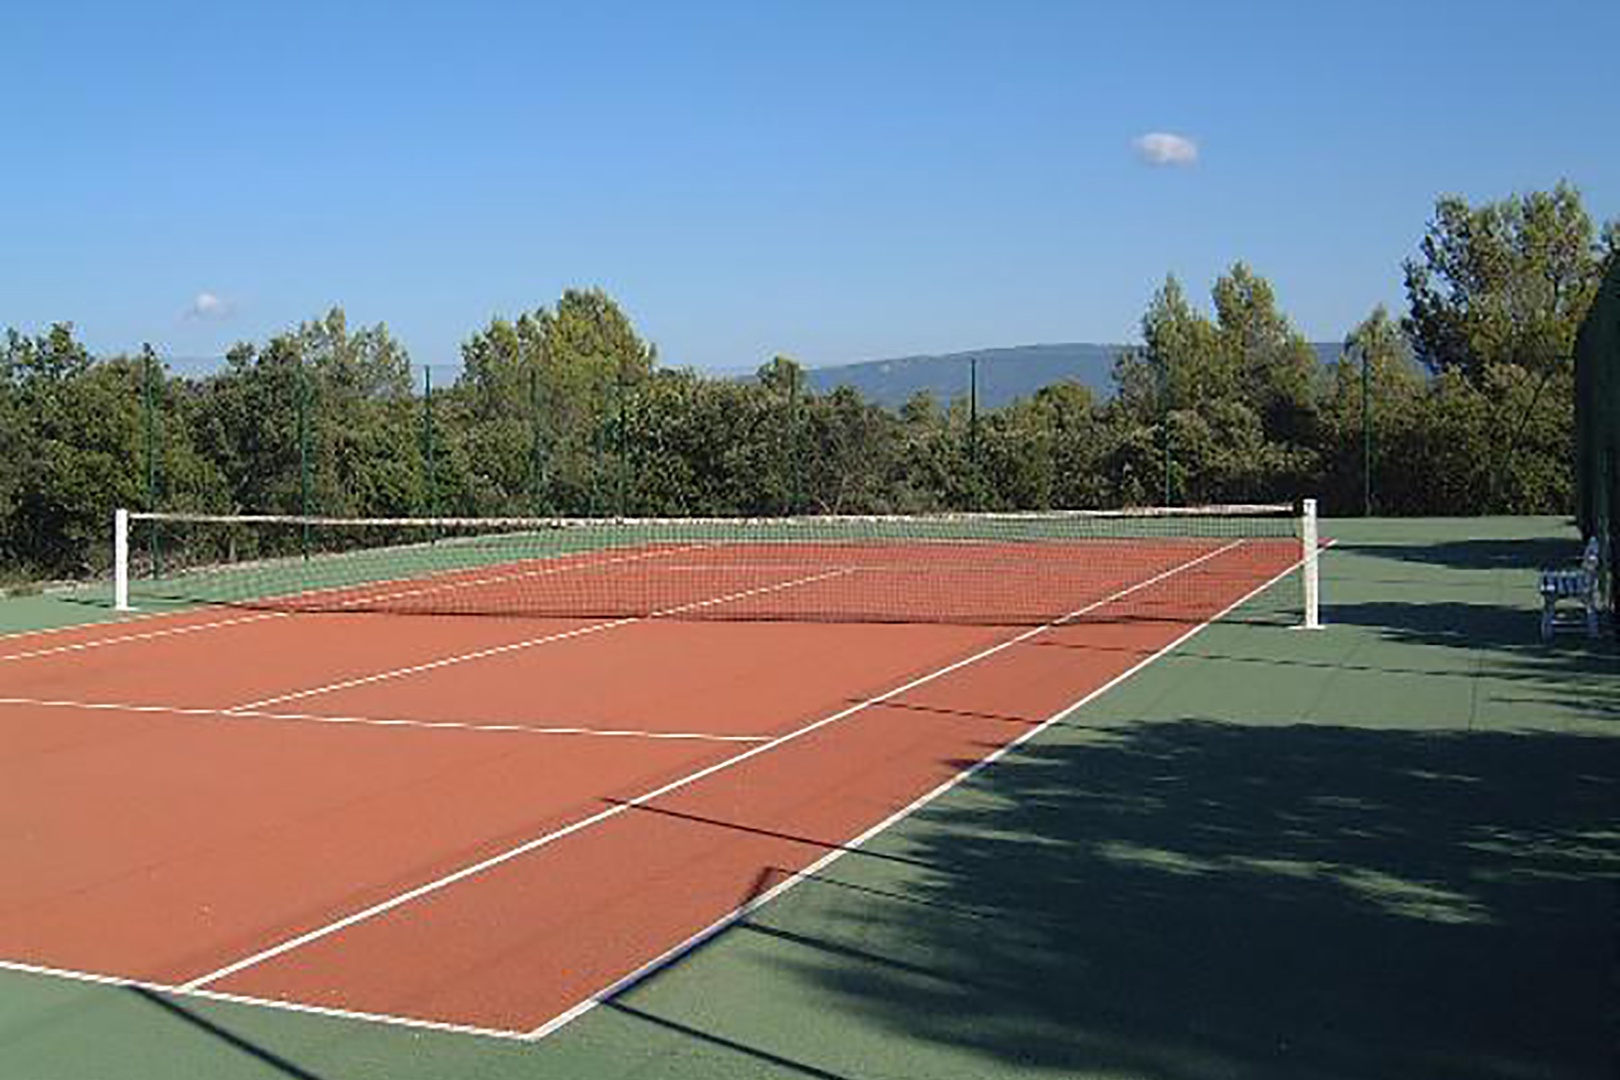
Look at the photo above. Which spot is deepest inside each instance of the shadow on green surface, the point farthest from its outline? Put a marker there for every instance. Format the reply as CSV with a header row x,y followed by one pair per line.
x,y
1572,670
1468,623
733,1048
212,1030
1186,900
1508,630
819,846
1484,553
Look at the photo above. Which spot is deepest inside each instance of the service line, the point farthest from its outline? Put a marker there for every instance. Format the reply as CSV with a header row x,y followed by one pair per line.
x,y
529,643
376,721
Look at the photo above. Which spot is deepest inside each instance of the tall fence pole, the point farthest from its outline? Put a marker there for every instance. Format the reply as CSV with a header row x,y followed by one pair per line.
x,y
623,441
537,461
1164,431
1169,495
794,451
149,406
1366,432
977,498
599,425
973,410
304,508
427,439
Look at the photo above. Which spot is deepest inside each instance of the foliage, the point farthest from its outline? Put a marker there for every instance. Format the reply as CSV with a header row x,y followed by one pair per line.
x,y
1371,425
1466,404
1496,300
1505,282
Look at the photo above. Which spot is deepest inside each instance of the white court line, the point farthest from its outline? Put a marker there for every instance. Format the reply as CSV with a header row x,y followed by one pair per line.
x,y
623,983
118,619
379,721
257,616
147,636
562,635
120,982
616,809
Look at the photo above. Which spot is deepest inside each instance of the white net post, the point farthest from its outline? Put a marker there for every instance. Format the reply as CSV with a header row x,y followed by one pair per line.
x,y
121,560
1309,567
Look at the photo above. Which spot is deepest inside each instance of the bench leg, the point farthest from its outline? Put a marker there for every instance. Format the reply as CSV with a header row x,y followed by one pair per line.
x,y
1547,618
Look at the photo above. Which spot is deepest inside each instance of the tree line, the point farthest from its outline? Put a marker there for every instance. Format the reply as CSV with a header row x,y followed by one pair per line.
x,y
1462,405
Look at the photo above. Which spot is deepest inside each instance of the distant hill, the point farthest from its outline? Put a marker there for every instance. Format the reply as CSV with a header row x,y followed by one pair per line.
x,y
1004,374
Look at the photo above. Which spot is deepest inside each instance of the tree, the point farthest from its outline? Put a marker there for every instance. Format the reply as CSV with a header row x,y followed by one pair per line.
x,y
1180,362
1077,444
782,390
1394,390
367,442
500,417
1216,408
1497,298
248,422
67,472
852,454
320,406
1504,282
78,442
1271,362
589,329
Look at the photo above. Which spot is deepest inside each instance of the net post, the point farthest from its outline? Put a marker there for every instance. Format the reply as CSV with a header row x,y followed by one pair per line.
x,y
121,560
1309,565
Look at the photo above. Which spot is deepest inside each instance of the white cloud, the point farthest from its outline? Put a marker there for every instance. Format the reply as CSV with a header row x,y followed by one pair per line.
x,y
206,305
1164,149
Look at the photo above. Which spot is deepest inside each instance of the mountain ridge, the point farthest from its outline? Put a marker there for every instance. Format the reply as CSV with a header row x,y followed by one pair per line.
x,y
1005,373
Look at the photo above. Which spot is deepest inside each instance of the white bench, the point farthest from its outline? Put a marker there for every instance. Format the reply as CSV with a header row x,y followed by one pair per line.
x,y
1578,585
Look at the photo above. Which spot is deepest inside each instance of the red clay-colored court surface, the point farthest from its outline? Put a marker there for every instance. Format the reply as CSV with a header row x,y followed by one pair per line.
x,y
489,823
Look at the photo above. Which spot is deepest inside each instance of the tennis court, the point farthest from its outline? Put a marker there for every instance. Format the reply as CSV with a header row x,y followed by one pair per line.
x,y
337,791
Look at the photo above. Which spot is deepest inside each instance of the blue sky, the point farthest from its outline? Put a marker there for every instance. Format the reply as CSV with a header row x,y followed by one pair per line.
x,y
833,181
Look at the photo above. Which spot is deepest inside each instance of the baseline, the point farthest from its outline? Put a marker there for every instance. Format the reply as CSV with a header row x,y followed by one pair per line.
x,y
121,982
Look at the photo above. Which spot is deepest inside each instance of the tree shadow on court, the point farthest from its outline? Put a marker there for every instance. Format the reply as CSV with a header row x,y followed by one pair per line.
x,y
1581,673
1189,900
1468,613
217,1032
1487,553
1504,628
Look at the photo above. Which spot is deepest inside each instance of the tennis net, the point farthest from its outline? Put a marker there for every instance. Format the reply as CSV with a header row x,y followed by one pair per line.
x,y
989,568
